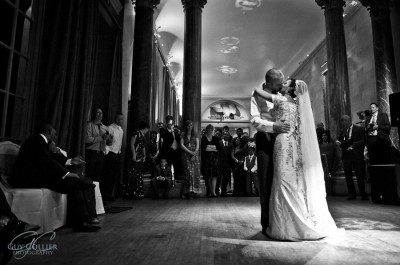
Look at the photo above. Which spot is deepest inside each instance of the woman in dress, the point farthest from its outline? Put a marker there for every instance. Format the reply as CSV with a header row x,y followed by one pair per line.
x,y
298,207
238,155
210,159
138,148
191,164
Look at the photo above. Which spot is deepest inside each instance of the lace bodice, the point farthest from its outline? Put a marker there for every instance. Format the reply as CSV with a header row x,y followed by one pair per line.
x,y
286,111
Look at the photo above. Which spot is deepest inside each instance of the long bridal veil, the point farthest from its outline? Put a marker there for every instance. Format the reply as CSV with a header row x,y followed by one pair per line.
x,y
312,166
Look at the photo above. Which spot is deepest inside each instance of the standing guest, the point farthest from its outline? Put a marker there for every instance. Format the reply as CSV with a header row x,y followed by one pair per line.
x,y
352,142
138,148
218,134
163,179
225,129
238,157
153,151
225,164
320,128
378,130
210,159
191,164
327,149
36,168
239,133
112,161
95,143
250,169
169,144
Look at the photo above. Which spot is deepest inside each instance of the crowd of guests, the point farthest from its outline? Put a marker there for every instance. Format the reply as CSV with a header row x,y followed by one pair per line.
x,y
365,143
176,152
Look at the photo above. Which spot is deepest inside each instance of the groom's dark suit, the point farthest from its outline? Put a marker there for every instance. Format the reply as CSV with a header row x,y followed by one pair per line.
x,y
264,150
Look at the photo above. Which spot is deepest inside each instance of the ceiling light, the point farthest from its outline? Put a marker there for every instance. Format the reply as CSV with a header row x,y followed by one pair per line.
x,y
226,69
247,5
230,41
230,49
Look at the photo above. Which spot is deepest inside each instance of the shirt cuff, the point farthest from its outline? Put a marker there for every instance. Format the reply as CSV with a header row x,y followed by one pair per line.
x,y
65,175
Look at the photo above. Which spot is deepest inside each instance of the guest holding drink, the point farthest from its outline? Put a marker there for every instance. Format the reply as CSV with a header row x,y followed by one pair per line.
x,y
210,159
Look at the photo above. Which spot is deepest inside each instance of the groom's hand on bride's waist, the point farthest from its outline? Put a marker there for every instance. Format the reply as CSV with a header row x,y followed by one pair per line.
x,y
281,127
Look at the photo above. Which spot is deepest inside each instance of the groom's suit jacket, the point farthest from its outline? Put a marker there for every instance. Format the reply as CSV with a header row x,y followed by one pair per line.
x,y
263,121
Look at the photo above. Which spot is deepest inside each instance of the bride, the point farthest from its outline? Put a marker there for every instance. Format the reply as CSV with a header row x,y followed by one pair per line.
x,y
298,207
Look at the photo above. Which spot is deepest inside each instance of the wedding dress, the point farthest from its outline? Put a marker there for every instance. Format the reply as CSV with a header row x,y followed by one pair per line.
x,y
298,207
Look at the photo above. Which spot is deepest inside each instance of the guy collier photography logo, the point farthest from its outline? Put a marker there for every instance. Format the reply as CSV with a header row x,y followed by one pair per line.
x,y
31,243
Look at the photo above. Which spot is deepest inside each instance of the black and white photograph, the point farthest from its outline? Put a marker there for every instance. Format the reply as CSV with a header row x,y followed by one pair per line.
x,y
204,132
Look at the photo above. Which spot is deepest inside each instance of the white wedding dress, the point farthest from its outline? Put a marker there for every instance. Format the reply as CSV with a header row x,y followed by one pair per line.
x,y
298,207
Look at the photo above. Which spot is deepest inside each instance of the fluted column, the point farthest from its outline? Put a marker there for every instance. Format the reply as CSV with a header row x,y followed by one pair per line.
x,y
337,86
139,108
385,67
192,62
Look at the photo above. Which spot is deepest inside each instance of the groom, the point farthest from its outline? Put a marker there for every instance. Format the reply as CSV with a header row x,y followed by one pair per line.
x,y
267,128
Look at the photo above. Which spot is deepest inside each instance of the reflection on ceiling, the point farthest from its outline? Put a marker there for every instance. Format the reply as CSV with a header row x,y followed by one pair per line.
x,y
241,39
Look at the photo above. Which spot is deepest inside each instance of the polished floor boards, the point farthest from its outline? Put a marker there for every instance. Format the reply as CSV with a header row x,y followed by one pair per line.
x,y
224,231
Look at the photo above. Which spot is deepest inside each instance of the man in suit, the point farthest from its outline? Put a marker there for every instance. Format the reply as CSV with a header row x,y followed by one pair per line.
x,y
352,143
266,127
225,164
36,168
169,144
377,126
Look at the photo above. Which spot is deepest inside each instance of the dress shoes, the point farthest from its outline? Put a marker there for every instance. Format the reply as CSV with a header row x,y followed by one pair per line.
x,y
86,227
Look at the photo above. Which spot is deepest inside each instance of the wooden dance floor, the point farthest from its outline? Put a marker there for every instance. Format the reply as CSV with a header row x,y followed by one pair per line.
x,y
224,231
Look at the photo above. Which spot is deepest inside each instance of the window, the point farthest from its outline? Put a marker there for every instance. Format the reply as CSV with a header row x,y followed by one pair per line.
x,y
14,39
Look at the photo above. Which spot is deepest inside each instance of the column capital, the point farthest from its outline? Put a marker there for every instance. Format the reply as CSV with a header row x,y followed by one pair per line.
x,y
193,3
376,7
331,4
146,3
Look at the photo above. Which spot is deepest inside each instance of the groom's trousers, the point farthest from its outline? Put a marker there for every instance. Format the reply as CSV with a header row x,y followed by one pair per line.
x,y
264,146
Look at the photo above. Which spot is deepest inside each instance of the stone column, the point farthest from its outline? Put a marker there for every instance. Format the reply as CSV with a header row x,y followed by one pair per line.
x,y
192,62
337,85
139,108
385,67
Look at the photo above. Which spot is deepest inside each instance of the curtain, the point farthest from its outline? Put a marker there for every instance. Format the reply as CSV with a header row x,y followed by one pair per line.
x,y
67,66
115,98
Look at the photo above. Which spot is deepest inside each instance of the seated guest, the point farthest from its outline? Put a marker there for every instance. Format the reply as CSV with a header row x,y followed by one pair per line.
x,y
378,127
352,142
162,182
36,168
250,168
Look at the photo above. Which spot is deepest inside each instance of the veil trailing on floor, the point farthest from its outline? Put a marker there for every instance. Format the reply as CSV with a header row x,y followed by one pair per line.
x,y
311,160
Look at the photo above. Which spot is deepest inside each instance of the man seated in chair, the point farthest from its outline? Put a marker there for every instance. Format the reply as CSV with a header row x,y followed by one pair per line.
x,y
162,180
35,167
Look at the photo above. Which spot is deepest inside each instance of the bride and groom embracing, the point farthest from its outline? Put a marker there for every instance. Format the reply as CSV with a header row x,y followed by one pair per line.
x,y
291,179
